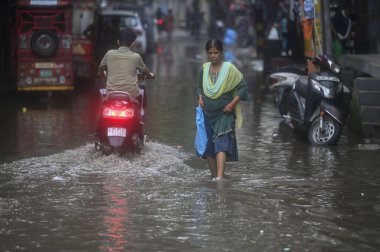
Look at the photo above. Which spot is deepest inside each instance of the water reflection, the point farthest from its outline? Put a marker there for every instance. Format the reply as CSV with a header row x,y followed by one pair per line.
x,y
36,127
115,220
165,60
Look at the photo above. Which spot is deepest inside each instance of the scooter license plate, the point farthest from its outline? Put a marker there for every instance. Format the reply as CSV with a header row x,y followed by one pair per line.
x,y
120,132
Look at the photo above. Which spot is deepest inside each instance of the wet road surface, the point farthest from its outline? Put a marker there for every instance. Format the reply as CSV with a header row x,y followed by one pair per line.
x,y
58,194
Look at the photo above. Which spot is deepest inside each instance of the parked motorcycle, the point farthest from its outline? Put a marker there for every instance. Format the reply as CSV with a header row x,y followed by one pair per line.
x,y
328,97
120,126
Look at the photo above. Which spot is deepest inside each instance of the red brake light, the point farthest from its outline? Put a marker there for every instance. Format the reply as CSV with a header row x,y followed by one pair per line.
x,y
118,113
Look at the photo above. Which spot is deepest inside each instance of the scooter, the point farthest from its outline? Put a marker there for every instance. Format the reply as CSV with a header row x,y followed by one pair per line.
x,y
120,126
328,98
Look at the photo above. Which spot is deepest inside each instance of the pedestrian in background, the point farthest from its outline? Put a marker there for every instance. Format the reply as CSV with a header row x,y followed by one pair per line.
x,y
342,28
284,35
243,24
220,89
196,22
160,20
169,24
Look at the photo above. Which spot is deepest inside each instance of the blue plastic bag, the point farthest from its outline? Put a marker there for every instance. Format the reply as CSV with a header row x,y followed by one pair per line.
x,y
200,135
229,55
230,37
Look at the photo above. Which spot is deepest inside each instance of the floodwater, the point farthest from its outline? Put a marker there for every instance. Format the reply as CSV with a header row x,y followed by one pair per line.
x,y
57,193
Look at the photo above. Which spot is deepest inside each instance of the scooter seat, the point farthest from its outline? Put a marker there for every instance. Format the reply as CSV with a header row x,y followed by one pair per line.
x,y
301,85
118,95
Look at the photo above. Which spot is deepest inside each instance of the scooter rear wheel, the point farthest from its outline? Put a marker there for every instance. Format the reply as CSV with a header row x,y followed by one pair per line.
x,y
107,150
328,135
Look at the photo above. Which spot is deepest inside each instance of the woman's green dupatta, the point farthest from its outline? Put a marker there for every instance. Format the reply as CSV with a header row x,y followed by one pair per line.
x,y
229,77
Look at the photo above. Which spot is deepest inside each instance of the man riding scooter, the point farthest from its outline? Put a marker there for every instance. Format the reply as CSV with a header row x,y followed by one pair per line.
x,y
122,64
120,120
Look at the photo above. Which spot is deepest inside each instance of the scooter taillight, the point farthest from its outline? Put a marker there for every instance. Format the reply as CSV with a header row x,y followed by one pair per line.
x,y
118,112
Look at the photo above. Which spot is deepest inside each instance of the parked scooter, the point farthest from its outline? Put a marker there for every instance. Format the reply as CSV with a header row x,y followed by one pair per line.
x,y
120,126
328,98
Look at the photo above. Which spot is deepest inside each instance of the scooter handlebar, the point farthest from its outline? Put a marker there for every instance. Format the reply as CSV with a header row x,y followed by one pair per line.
x,y
143,76
151,76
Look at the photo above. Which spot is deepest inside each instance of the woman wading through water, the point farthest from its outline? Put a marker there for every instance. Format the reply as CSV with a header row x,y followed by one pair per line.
x,y
221,87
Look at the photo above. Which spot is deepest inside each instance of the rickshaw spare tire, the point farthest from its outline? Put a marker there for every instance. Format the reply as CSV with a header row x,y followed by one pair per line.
x,y
44,43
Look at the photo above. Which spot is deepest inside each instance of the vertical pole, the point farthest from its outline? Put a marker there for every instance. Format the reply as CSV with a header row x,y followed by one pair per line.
x,y
319,30
326,27
308,36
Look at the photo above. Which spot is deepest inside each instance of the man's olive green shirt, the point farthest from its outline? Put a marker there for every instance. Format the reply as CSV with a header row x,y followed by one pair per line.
x,y
121,67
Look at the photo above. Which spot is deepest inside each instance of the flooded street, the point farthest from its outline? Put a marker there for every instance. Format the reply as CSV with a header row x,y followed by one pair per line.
x,y
57,193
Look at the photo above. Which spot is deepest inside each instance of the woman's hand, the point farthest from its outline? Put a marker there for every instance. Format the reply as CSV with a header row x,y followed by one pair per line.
x,y
229,107
200,101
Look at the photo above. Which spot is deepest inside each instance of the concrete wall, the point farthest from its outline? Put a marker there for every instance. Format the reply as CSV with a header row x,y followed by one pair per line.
x,y
365,107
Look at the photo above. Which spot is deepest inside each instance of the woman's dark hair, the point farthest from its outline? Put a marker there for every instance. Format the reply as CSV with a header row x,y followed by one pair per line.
x,y
127,36
214,43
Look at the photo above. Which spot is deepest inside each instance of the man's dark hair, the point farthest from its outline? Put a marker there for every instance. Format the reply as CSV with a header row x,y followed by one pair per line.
x,y
127,36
